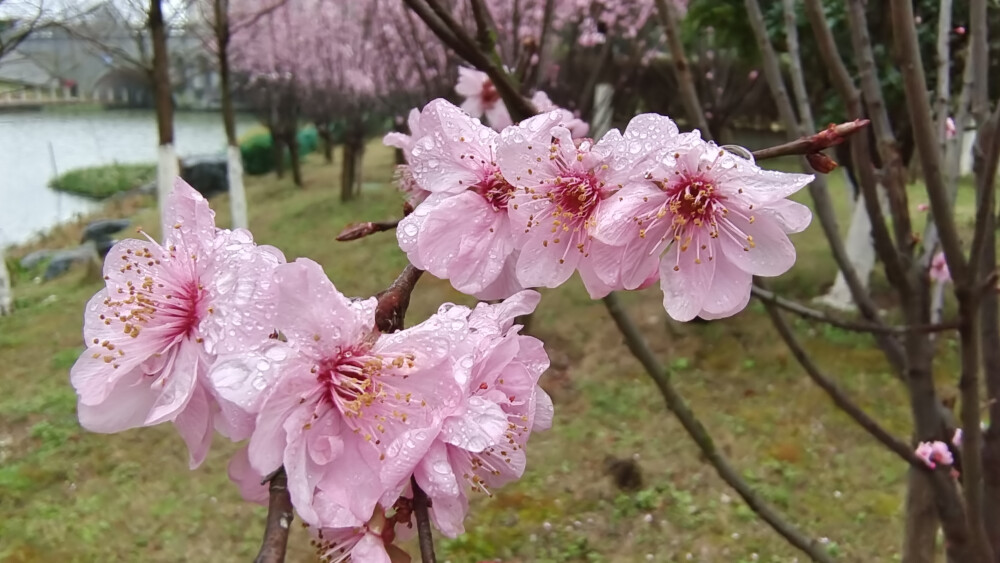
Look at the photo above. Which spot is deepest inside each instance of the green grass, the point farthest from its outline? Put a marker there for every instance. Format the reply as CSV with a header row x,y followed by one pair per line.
x,y
66,494
99,182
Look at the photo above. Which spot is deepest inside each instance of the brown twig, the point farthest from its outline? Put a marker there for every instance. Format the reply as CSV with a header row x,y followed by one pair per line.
x,y
677,405
361,230
769,297
894,173
279,520
393,302
818,190
421,504
440,21
918,106
833,135
685,79
838,395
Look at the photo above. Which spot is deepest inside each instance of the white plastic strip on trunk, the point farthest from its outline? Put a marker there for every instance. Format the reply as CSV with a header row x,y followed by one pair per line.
x,y
237,192
166,171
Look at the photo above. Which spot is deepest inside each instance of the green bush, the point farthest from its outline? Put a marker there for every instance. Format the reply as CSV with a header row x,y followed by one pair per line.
x,y
102,181
257,149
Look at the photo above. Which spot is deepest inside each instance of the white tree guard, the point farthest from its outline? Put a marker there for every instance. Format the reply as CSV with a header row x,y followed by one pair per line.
x,y
166,171
237,192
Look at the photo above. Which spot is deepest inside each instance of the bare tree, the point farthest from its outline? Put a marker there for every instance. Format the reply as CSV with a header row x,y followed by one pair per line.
x,y
14,30
166,166
234,161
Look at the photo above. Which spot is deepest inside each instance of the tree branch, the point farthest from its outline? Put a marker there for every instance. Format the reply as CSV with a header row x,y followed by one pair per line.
x,y
451,32
894,176
980,59
829,137
838,395
279,520
860,155
486,28
688,91
360,230
918,106
987,157
818,190
393,302
943,71
770,298
677,405
420,509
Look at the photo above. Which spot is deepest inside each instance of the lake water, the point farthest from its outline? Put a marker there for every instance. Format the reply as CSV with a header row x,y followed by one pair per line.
x,y
28,206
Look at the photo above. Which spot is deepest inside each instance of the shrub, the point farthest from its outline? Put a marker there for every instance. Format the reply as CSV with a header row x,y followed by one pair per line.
x,y
256,149
102,181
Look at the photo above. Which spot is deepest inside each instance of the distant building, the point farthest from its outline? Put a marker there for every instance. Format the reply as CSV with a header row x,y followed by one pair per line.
x,y
106,59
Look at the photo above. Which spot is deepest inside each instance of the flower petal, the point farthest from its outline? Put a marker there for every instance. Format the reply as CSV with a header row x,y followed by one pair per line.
x,y
771,253
730,291
685,288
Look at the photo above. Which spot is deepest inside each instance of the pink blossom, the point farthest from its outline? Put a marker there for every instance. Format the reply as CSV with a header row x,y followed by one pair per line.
x,y
939,269
403,141
934,453
956,438
922,207
577,127
404,175
455,160
349,411
247,480
481,445
949,128
155,328
712,220
482,98
561,186
753,75
371,542
960,30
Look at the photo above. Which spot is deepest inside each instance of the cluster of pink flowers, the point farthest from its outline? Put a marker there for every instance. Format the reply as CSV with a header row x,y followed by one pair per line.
x,y
535,203
939,271
208,330
934,453
481,99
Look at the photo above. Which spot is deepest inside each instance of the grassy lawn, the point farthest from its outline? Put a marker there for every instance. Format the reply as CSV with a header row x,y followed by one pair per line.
x,y
99,182
69,495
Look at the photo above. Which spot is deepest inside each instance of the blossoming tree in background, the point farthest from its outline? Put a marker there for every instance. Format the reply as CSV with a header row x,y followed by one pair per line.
x,y
372,432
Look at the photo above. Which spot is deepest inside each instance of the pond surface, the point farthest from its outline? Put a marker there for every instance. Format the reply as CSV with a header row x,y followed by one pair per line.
x,y
27,164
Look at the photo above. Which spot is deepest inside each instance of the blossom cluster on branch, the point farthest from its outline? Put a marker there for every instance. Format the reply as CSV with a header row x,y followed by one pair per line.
x,y
209,331
528,206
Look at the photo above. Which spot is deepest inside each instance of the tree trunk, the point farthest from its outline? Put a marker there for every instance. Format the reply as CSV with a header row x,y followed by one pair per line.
x,y
234,162
278,147
293,154
323,130
685,80
920,534
167,168
347,172
359,156
6,296
990,333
